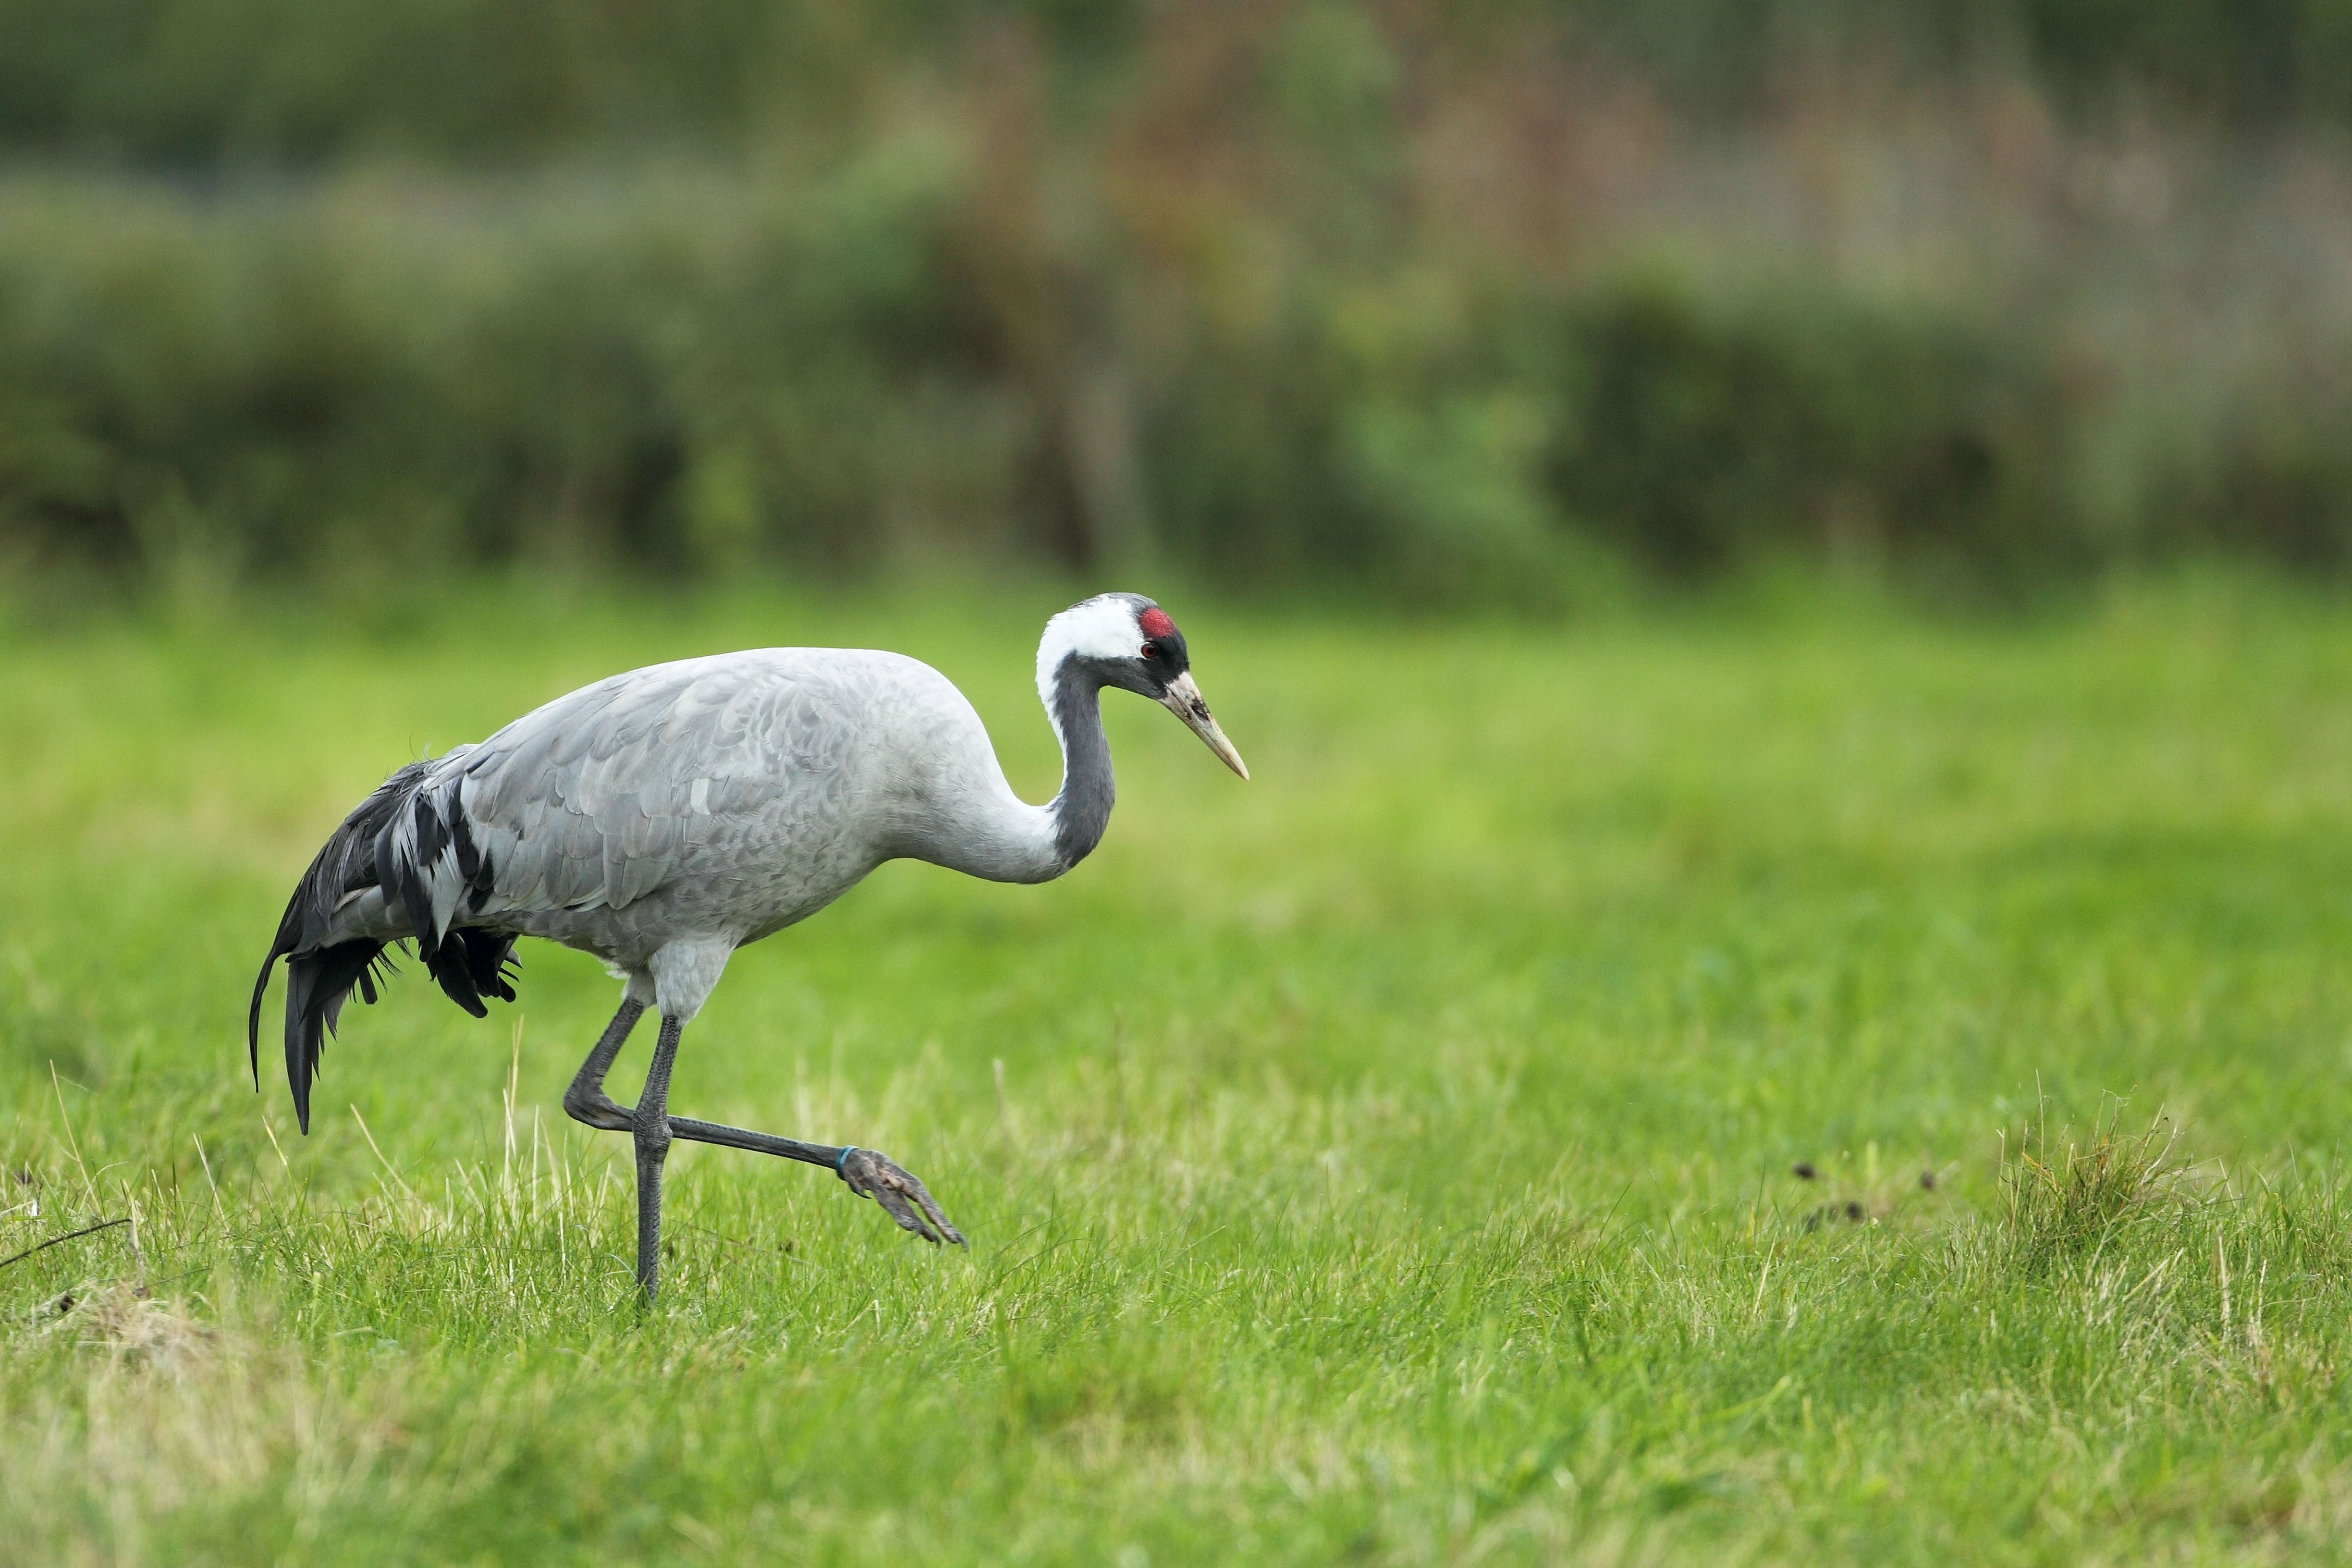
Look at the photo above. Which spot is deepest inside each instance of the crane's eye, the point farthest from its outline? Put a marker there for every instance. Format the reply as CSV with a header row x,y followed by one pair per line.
x,y
1150,651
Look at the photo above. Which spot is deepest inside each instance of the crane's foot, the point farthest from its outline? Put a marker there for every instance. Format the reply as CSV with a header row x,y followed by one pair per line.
x,y
900,1192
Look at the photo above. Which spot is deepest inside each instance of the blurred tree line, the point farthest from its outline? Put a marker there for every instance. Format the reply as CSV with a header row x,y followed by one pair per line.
x,y
197,81
1451,301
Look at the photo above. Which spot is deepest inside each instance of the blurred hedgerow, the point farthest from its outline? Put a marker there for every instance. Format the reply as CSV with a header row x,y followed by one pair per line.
x,y
1508,309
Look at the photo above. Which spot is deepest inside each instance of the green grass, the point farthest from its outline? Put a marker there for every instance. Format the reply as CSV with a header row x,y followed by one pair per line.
x,y
1386,1161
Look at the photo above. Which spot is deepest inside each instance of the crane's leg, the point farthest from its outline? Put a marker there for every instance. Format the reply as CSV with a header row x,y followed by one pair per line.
x,y
649,1123
586,1100
653,1137
867,1172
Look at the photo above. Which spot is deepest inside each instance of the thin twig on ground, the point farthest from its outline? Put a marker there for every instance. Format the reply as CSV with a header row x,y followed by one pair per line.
x,y
69,1236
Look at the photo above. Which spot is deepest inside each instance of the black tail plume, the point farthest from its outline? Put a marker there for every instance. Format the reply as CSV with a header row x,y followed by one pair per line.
x,y
320,975
474,964
317,984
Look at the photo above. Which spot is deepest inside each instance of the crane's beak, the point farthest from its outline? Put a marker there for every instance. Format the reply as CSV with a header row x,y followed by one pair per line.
x,y
1185,701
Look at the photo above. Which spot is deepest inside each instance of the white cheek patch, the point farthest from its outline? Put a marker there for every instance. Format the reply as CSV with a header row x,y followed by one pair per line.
x,y
1102,627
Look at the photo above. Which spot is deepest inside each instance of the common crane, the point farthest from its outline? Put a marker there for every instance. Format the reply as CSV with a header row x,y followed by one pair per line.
x,y
662,819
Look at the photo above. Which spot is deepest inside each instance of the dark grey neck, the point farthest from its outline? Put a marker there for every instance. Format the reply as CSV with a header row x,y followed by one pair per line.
x,y
1082,810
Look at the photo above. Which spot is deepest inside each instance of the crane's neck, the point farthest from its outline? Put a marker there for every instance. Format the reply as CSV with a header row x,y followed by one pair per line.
x,y
1082,809
973,823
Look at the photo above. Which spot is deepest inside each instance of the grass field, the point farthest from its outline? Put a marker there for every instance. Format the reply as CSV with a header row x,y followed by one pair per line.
x,y
1391,1160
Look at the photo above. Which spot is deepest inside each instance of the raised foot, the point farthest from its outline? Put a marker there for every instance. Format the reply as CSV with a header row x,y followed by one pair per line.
x,y
902,1196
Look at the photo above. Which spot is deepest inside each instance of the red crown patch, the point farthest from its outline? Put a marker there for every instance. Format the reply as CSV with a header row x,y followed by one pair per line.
x,y
1155,623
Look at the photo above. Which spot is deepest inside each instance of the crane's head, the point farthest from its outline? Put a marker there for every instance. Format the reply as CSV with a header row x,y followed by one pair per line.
x,y
1128,641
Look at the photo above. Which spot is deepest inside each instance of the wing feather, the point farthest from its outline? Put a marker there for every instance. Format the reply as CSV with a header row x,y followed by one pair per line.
x,y
606,796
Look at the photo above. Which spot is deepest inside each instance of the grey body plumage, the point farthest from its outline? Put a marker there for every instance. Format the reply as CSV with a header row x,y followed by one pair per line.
x,y
662,819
